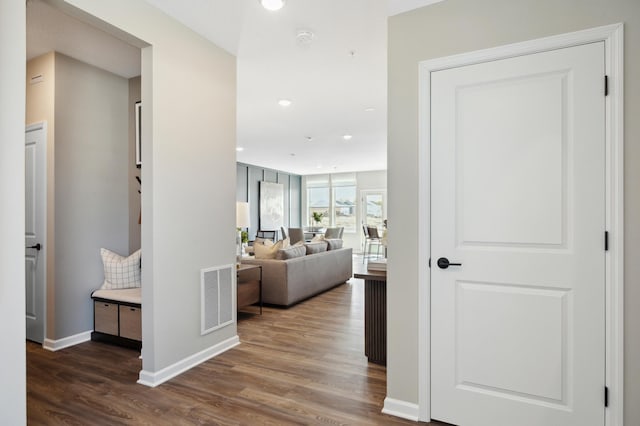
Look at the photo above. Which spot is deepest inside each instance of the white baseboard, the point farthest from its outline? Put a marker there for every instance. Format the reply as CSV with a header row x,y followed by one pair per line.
x,y
398,408
65,342
151,379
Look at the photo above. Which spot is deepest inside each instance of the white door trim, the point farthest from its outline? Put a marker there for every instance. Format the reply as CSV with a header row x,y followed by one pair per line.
x,y
612,36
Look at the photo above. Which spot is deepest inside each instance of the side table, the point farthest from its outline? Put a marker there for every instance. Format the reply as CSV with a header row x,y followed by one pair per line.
x,y
249,286
375,315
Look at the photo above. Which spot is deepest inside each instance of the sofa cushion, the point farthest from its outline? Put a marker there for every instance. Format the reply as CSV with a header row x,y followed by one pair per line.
x,y
120,271
316,247
333,243
291,252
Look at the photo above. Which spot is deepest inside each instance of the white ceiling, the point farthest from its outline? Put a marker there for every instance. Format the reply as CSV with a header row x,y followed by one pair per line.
x,y
330,82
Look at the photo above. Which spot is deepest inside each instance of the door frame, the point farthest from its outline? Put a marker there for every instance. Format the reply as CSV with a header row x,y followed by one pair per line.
x,y
612,36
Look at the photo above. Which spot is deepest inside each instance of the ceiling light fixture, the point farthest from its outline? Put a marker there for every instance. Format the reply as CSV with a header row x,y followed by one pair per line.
x,y
272,4
239,149
284,102
347,137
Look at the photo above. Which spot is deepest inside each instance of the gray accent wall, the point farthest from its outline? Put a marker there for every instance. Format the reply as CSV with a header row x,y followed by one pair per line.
x,y
91,185
248,189
457,26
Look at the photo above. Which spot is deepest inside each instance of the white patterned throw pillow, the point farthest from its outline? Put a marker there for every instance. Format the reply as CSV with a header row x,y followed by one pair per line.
x,y
119,271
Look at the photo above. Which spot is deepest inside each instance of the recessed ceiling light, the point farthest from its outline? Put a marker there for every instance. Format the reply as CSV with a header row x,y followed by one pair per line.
x,y
272,4
284,102
308,138
347,137
239,149
370,109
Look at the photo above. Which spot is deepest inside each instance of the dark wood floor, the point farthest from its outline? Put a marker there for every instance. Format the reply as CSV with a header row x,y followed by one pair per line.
x,y
302,365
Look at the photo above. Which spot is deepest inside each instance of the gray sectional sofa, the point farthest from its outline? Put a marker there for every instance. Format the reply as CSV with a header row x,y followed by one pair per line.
x,y
286,282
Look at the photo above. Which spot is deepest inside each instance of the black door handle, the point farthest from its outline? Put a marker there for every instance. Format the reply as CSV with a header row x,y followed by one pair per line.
x,y
443,263
36,246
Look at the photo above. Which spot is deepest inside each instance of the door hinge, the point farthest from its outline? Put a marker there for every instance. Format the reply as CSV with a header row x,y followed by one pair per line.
x,y
429,262
606,240
606,396
606,85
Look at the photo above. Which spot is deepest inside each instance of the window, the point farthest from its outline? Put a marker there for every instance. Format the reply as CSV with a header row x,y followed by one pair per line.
x,y
318,200
335,198
344,207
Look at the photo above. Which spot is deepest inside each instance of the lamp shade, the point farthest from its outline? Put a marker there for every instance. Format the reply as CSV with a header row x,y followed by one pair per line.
x,y
243,220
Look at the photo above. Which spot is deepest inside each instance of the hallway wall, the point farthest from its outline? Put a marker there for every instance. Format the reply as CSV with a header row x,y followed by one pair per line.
x,y
457,26
87,159
13,393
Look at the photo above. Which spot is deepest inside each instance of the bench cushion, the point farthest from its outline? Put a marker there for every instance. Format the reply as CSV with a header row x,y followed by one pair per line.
x,y
127,295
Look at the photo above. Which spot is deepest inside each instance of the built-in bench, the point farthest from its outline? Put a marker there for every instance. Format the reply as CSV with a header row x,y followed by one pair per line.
x,y
117,317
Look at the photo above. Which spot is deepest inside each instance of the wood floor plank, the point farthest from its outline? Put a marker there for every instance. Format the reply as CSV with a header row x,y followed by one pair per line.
x,y
301,365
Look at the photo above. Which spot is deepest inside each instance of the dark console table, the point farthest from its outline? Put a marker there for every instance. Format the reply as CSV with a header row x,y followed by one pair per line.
x,y
249,286
375,315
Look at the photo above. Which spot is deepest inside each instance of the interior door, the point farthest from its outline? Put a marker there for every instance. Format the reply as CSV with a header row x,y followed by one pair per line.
x,y
518,200
34,237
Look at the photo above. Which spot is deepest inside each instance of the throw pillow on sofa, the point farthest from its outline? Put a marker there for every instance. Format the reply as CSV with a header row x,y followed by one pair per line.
x,y
120,271
291,252
263,251
333,243
316,247
262,241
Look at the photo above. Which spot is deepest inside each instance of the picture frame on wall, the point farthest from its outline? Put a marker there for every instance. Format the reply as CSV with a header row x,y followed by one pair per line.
x,y
138,109
271,206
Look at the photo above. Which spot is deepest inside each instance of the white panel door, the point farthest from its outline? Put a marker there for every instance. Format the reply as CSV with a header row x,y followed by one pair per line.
x,y
517,198
34,236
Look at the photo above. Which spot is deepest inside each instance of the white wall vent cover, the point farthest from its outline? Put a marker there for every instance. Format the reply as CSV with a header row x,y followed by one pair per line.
x,y
217,297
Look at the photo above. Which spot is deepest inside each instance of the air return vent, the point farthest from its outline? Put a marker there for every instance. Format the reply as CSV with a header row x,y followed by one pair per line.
x,y
217,295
